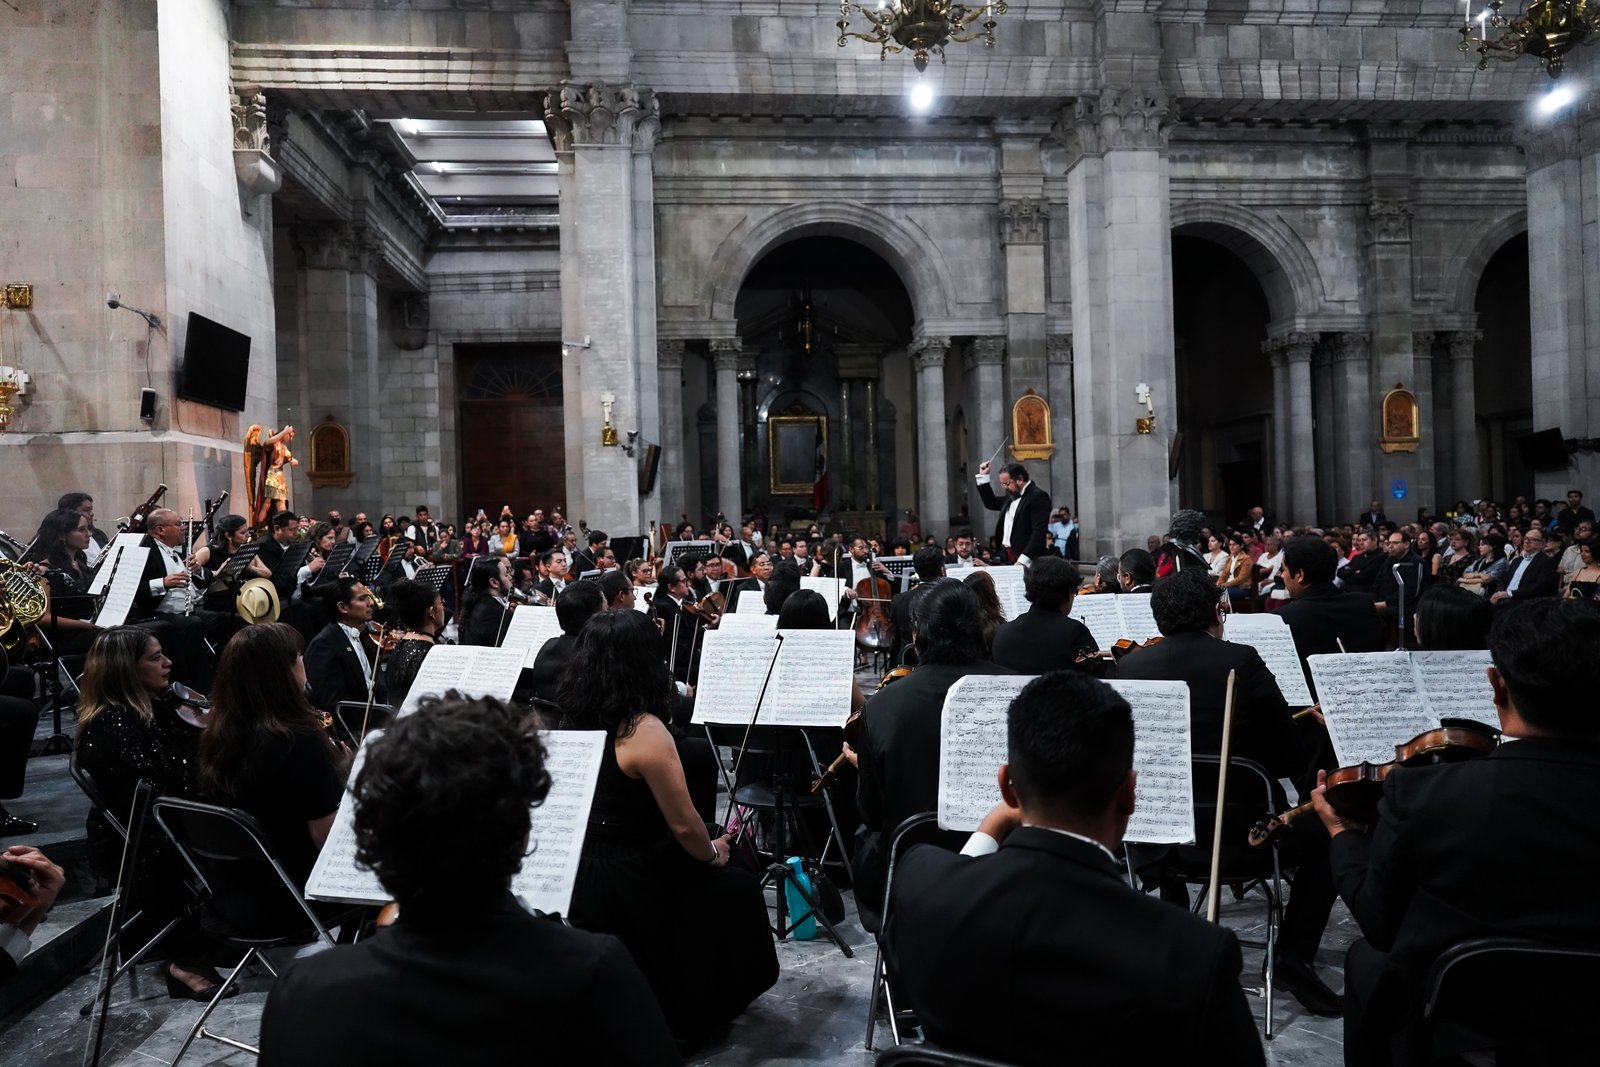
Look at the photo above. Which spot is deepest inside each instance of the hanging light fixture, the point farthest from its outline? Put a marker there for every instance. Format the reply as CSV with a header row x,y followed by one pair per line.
x,y
1544,29
922,27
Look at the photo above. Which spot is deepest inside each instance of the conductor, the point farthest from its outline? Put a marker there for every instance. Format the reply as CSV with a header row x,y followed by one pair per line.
x,y
1024,512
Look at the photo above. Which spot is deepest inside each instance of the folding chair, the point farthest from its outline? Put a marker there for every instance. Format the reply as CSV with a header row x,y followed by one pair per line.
x,y
349,716
914,830
253,903
1529,1001
1244,867
918,1054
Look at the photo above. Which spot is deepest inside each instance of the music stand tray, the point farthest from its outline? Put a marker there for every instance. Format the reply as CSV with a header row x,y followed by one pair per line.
x,y
231,576
336,562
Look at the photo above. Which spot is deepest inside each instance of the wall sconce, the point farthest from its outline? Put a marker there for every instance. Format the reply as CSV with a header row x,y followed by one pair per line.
x,y
1146,423
13,382
567,345
16,297
608,432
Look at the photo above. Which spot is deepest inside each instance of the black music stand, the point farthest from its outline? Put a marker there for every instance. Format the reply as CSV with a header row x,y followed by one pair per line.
x,y
626,548
337,559
294,557
231,576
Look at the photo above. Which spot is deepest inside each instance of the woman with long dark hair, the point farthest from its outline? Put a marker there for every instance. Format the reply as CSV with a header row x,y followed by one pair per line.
x,y
419,611
60,545
651,873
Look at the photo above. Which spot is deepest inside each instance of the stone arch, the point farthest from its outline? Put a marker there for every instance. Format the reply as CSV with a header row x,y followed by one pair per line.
x,y
918,264
1276,255
1470,267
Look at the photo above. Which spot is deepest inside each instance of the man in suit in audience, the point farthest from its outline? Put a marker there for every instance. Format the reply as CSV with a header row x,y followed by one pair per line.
x,y
573,610
1502,846
1387,589
1044,638
1187,609
338,664
1321,616
1373,516
1361,572
1533,574
466,975
489,613
1024,512
1036,898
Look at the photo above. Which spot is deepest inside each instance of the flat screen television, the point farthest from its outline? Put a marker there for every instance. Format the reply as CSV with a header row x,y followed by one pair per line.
x,y
216,364
1543,450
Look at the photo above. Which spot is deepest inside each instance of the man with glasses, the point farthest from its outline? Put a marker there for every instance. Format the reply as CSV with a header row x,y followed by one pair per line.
x,y
1533,574
677,626
1386,588
169,603
1361,572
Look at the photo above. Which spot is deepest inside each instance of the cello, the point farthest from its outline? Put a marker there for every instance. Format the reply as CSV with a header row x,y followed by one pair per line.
x,y
874,630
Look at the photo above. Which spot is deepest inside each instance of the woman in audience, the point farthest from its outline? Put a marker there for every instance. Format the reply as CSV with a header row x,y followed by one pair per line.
x,y
265,749
503,542
420,613
1488,571
1583,583
651,873
1428,551
989,600
1463,553
361,531
1216,556
1450,619
60,544
1236,580
129,731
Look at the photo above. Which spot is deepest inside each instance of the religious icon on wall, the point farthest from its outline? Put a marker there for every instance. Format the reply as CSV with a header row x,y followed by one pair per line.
x,y
330,454
1400,421
1030,427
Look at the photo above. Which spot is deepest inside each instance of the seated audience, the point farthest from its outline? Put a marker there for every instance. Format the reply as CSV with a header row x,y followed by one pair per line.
x,y
1037,899
1044,638
465,975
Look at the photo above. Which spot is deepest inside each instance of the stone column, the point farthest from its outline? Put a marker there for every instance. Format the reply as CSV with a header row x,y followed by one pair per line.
x,y
874,504
725,359
846,450
1421,384
984,362
1322,413
1302,458
1023,217
598,127
1058,359
1279,462
933,458
1120,232
749,458
1463,348
669,375
1354,435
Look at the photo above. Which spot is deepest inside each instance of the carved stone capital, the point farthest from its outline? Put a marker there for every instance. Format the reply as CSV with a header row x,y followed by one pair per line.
x,y
1351,347
602,114
1293,347
412,316
1548,142
257,173
1022,221
669,355
985,352
367,251
1422,344
1388,221
725,353
1463,344
1120,118
325,245
929,352
1058,349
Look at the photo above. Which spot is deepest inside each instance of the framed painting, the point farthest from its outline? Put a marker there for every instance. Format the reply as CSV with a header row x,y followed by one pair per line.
x,y
792,442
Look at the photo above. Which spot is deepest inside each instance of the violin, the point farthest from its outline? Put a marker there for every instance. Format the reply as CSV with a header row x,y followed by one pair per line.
x,y
1098,664
708,609
192,707
1353,792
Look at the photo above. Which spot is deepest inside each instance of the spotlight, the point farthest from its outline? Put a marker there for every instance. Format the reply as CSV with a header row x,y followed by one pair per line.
x,y
921,96
1559,96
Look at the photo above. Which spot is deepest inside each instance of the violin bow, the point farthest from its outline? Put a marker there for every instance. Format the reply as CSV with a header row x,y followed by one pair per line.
x,y
1213,891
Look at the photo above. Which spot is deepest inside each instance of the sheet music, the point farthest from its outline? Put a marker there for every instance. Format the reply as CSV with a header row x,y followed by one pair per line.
x,y
1456,686
810,683
1009,587
1270,636
1163,796
830,588
1371,702
766,624
1138,623
109,559
751,602
530,627
547,876
1099,613
472,670
124,588
972,746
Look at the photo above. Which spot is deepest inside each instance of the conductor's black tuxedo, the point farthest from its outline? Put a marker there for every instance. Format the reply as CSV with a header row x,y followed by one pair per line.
x,y
485,622
489,985
1041,948
334,672
1028,527
1038,641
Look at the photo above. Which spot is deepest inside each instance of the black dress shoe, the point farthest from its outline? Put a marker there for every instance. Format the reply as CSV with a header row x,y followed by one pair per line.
x,y
12,824
1299,979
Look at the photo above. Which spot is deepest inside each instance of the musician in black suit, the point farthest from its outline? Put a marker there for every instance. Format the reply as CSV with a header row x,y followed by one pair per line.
x,y
588,560
928,563
465,975
678,639
168,604
271,547
898,751
1024,512
755,585
1532,575
1321,616
1502,846
338,661
1187,607
1373,516
488,609
1044,638
556,575
573,610
1031,944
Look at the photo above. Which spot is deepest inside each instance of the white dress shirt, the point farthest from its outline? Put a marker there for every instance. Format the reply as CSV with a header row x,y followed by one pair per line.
x,y
173,601
981,844
353,635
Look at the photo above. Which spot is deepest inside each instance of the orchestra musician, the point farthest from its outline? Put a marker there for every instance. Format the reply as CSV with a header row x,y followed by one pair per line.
x,y
678,628
168,597
339,660
487,608
83,503
60,545
283,531
1045,638
1024,512
755,585
419,611
576,606
556,570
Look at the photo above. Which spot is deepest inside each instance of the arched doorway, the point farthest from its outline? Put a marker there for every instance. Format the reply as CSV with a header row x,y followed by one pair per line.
x,y
1503,373
1225,384
825,323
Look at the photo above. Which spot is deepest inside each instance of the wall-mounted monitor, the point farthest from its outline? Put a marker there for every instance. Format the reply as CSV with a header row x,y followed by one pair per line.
x,y
216,364
1543,450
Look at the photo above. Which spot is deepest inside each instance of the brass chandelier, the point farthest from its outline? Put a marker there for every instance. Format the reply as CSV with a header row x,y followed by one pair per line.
x,y
1544,29
922,27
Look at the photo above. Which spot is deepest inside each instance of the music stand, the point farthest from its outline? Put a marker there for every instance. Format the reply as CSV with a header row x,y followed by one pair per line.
x,y
231,576
294,557
337,559
626,548
436,576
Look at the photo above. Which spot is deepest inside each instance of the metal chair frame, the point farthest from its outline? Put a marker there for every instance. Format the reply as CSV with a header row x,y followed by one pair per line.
x,y
921,1054
881,987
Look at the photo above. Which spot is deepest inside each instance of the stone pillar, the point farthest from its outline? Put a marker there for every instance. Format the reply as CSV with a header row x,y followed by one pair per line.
x,y
1322,413
750,473
1463,348
1058,359
1278,486
933,458
874,503
1023,216
598,126
725,359
1421,384
669,374
846,450
984,362
1120,232
1302,458
1355,439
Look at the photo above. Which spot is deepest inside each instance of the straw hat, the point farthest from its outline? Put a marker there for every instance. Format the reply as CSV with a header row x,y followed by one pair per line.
x,y
257,601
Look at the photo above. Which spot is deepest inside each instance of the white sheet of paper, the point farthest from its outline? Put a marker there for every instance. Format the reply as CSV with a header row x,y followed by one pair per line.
x,y
972,746
472,670
1099,613
1270,636
750,602
530,627
123,590
559,825
118,544
766,624
1371,703
1163,796
830,588
1009,587
1456,685
810,682
1138,623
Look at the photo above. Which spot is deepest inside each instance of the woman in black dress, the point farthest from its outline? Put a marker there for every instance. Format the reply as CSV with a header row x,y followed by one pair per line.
x,y
651,874
420,612
60,545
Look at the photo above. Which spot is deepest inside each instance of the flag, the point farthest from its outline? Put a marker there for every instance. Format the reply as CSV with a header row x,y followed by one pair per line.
x,y
819,484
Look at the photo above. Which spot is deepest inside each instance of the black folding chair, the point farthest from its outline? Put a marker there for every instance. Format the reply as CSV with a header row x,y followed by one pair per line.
x,y
1531,1002
253,905
350,716
919,1054
914,830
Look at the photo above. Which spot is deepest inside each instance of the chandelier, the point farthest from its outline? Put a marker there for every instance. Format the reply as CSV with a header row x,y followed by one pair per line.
x,y
922,26
1545,29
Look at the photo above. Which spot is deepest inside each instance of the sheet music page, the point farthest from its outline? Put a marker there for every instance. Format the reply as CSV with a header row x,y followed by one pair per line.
x,y
1456,685
124,588
1163,797
810,683
1371,703
831,590
118,545
530,627
559,824
767,624
443,668
1099,613
1270,636
750,602
493,673
335,875
972,745
1008,586
1138,623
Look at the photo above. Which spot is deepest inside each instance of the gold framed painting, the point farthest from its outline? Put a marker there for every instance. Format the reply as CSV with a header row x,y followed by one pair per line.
x,y
1400,420
330,455
1031,436
792,452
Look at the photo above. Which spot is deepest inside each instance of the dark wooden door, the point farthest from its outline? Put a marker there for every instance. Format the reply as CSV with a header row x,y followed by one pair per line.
x,y
511,419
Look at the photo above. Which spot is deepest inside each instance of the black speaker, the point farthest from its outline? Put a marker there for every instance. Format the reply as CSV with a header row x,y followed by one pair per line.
x,y
147,404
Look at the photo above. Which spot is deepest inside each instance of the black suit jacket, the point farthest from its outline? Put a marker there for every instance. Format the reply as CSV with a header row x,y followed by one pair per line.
x,y
676,625
1038,641
474,990
1028,528
1323,615
745,587
1362,570
271,553
334,670
1041,948
545,675
1386,589
1368,518
901,609
484,624
1541,577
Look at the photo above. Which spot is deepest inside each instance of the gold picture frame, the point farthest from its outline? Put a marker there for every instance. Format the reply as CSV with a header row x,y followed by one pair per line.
x,y
1031,435
330,455
792,452
1399,421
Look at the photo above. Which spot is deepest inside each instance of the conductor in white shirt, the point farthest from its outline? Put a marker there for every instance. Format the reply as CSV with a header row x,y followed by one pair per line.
x,y
1024,512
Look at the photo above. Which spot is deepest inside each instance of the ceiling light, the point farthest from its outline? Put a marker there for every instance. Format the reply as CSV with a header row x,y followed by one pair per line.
x,y
921,96
1559,96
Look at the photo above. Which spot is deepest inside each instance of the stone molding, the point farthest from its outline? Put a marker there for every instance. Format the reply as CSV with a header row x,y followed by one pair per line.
x,y
669,355
1058,349
929,352
1119,119
339,246
1422,344
1550,142
1293,347
984,352
257,173
1463,344
1022,221
602,115
1355,346
1388,221
725,353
